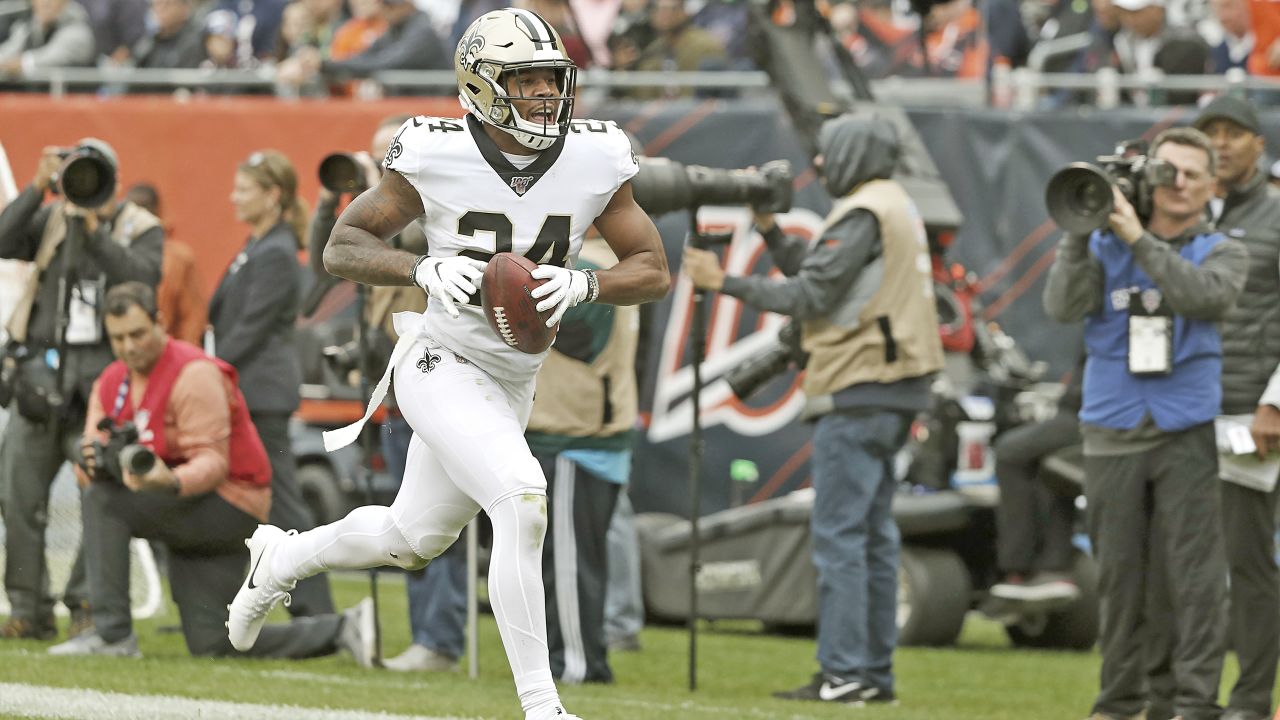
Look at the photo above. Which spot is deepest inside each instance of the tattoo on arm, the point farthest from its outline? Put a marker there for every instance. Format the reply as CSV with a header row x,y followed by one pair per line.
x,y
358,248
641,274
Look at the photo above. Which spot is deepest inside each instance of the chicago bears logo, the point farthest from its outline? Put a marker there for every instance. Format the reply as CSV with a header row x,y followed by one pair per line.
x,y
428,361
520,183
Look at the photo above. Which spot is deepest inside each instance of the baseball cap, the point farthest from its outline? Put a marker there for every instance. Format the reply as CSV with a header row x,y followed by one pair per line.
x,y
1229,107
1136,4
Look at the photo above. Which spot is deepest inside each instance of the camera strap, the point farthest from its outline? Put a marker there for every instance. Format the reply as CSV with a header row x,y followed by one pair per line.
x,y
1150,334
121,396
55,231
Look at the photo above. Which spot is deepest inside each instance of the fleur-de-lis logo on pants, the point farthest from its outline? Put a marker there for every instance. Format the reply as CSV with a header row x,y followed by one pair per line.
x,y
428,362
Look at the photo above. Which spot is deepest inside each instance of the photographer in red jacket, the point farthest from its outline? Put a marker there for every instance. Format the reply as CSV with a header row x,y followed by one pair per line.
x,y
170,454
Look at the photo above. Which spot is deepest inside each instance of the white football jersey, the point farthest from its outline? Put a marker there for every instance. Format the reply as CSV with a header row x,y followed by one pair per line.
x,y
477,204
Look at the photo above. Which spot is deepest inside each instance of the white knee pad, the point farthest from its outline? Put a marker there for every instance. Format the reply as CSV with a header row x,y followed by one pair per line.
x,y
525,514
430,531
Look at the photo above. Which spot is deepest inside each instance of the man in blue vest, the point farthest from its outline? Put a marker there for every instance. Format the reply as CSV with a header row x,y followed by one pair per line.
x,y
1150,297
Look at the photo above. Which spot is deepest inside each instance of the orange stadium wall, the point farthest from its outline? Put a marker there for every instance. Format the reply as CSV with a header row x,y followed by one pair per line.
x,y
190,150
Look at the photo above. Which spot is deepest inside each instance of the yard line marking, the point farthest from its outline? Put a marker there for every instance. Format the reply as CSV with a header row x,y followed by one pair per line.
x,y
36,701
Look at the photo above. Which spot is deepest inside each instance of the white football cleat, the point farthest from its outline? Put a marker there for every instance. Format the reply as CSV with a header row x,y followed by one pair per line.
x,y
260,592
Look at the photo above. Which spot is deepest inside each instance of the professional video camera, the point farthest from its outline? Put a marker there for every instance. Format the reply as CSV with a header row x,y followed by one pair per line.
x,y
664,186
86,177
120,452
342,173
1079,197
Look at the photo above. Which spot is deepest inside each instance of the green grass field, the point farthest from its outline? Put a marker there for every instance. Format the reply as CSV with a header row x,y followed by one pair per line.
x,y
980,679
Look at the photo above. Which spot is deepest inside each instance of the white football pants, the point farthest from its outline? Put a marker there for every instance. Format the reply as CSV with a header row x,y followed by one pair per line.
x,y
468,453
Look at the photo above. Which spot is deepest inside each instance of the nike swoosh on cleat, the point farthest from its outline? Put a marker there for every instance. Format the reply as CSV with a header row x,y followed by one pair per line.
x,y
253,572
827,692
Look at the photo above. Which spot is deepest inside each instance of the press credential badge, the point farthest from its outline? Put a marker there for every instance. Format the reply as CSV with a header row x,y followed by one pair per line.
x,y
1150,333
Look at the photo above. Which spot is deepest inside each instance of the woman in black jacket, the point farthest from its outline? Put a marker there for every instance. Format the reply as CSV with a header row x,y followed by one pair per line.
x,y
252,313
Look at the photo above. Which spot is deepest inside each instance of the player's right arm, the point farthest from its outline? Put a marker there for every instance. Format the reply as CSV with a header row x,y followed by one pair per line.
x,y
358,248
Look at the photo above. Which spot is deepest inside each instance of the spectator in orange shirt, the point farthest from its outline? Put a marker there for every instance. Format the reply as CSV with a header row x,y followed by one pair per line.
x,y
1265,58
358,33
958,46
180,299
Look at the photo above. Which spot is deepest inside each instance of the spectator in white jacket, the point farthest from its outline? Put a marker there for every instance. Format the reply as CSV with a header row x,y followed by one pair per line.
x,y
56,35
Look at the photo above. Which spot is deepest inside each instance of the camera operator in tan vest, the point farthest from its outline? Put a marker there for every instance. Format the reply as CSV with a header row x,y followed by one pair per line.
x,y
120,242
865,296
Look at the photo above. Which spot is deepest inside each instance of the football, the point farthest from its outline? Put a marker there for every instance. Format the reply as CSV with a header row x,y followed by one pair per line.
x,y
509,307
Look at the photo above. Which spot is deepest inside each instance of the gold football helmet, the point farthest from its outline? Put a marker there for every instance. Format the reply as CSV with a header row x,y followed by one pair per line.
x,y
492,53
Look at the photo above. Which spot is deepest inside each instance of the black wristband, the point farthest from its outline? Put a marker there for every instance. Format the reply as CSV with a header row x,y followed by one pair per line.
x,y
593,286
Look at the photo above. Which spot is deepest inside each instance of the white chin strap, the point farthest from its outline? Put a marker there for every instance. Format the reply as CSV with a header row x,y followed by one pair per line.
x,y
533,141
529,140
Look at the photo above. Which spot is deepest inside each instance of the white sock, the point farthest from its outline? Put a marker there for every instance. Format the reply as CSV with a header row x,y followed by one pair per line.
x,y
365,538
515,591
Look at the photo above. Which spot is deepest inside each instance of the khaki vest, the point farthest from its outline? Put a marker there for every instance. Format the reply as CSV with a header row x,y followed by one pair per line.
x,y
597,399
900,318
386,301
131,222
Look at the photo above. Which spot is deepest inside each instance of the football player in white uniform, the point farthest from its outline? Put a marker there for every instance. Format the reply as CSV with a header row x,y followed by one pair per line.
x,y
514,175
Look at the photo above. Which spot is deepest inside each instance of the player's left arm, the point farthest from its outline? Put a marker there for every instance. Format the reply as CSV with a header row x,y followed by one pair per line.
x,y
641,273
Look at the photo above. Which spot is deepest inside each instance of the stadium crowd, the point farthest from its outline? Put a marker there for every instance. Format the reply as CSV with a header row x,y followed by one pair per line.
x,y
322,47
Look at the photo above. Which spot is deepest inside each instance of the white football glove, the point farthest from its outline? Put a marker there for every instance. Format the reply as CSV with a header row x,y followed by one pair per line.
x,y
563,289
449,280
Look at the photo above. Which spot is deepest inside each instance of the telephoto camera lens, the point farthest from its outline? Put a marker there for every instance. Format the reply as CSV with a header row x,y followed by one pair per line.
x,y
1079,198
137,459
86,178
664,186
340,173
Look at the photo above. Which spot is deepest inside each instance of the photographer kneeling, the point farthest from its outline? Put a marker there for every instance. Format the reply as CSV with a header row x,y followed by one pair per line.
x,y
865,296
170,454
1150,297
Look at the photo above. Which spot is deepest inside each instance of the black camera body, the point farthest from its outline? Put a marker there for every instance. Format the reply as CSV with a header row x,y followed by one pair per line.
x,y
1079,197
86,177
664,186
748,377
120,452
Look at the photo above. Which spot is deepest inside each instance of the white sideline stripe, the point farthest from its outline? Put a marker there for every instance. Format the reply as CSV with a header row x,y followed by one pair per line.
x,y
50,702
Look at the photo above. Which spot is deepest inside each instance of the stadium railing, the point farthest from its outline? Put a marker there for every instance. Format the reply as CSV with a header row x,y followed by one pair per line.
x,y
1019,89
594,83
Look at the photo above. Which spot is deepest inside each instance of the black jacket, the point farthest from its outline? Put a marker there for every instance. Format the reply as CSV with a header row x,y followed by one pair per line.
x,y
253,312
1251,330
22,226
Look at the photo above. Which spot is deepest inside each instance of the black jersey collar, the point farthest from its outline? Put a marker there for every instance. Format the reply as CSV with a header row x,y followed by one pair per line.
x,y
518,180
